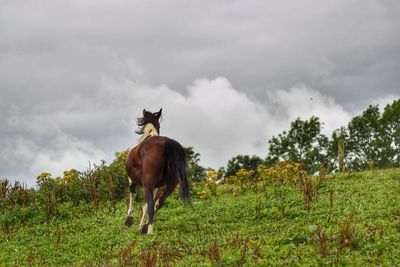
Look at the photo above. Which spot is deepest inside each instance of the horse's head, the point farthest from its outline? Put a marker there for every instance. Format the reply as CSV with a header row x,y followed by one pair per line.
x,y
149,117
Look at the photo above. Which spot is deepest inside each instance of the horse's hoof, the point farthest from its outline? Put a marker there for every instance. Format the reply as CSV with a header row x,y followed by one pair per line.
x,y
129,221
143,230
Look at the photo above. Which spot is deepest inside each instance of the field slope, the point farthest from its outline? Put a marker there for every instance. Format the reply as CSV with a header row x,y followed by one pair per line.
x,y
354,220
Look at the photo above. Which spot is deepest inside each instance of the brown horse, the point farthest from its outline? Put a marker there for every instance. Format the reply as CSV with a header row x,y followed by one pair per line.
x,y
154,162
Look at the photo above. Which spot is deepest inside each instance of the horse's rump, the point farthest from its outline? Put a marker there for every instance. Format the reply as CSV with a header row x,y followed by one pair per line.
x,y
146,159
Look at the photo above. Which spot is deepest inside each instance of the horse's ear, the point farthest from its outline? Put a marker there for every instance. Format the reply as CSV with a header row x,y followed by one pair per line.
x,y
144,112
158,114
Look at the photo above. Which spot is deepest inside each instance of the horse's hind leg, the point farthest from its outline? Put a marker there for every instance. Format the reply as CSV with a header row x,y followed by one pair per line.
x,y
132,196
142,227
148,196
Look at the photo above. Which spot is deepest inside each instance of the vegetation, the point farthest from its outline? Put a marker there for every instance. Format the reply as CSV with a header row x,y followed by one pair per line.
x,y
302,143
349,219
371,140
242,162
195,171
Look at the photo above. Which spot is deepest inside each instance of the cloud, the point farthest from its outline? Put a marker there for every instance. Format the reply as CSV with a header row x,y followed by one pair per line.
x,y
303,102
382,101
340,49
212,116
218,120
33,144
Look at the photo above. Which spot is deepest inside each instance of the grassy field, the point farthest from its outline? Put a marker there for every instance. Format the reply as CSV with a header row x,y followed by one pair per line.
x,y
354,220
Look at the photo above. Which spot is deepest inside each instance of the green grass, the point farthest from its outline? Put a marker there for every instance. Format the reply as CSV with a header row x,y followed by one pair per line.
x,y
263,228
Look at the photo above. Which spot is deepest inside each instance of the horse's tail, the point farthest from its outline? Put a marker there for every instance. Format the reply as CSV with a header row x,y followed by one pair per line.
x,y
176,163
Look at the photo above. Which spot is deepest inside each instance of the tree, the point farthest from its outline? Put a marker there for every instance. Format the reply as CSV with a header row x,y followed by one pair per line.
x,y
242,162
195,171
364,139
390,134
303,143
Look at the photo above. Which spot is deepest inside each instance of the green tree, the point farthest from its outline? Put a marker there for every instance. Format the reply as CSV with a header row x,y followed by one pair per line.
x,y
242,162
364,139
116,170
303,143
195,171
390,135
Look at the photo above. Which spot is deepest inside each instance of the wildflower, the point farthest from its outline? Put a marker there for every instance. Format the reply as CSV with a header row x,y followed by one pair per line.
x,y
43,177
211,181
70,175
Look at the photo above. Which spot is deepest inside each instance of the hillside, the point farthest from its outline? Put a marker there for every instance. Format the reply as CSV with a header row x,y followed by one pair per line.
x,y
353,219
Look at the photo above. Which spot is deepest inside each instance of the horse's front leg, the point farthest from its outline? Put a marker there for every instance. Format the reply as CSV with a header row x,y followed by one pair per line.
x,y
132,196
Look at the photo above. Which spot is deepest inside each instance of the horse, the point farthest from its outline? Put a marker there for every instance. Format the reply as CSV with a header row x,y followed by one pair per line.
x,y
154,162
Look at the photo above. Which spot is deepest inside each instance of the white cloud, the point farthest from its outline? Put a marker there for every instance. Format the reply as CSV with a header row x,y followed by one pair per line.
x,y
301,101
220,121
67,153
36,144
384,100
212,116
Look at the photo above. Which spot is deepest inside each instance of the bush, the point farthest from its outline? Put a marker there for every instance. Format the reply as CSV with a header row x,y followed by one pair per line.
x,y
243,180
282,172
19,215
13,195
211,182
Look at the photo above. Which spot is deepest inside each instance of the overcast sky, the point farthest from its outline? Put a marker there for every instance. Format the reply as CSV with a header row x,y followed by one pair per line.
x,y
74,75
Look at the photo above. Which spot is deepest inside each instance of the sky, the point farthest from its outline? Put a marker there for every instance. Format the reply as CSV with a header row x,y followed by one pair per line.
x,y
75,75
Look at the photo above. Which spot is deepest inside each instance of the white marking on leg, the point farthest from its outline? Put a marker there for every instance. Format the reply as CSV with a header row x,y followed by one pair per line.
x,y
144,213
149,229
131,202
154,197
156,206
131,199
144,210
150,226
155,190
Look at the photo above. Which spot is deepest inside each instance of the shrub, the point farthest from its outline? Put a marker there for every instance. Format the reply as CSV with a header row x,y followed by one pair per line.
x,y
211,182
282,172
346,231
